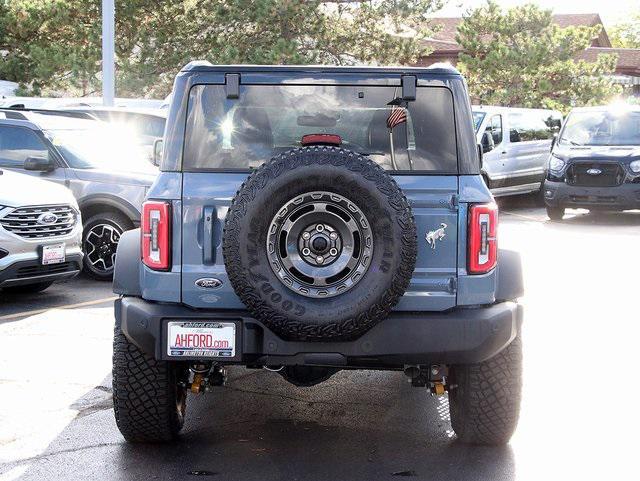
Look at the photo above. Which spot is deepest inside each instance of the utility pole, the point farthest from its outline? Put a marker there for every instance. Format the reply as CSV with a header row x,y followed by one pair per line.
x,y
108,52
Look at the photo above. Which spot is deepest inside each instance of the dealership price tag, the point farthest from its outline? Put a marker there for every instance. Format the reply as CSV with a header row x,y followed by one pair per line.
x,y
201,339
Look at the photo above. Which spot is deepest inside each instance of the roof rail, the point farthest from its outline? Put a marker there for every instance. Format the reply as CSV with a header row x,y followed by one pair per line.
x,y
61,113
9,114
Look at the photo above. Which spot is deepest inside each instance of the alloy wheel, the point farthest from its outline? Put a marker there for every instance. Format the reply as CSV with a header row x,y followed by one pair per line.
x,y
320,244
100,244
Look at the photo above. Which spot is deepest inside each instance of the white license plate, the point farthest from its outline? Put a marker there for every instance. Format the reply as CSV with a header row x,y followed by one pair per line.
x,y
201,339
53,254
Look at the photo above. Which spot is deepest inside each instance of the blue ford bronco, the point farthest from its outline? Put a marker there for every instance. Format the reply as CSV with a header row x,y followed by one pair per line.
x,y
312,219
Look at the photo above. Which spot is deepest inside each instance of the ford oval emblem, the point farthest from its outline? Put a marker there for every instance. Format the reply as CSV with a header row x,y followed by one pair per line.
x,y
209,283
594,172
47,218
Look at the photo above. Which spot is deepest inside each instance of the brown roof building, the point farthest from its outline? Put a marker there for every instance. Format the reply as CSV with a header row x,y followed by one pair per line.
x,y
446,49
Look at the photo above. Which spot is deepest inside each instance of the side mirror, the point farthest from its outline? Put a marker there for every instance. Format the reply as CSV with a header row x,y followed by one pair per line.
x,y
487,142
41,164
553,142
158,146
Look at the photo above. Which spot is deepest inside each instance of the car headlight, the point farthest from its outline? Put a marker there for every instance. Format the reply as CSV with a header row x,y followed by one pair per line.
x,y
635,166
556,164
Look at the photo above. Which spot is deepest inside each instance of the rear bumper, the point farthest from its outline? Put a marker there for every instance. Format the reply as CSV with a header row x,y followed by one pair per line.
x,y
621,197
32,271
455,337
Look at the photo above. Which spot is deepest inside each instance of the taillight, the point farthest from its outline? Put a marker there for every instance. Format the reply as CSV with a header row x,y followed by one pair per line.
x,y
483,242
156,235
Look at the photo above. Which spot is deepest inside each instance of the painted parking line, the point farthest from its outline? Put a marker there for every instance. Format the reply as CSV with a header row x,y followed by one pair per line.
x,y
527,217
66,306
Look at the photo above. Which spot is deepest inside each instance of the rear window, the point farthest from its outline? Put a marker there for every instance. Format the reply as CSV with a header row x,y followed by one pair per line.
x,y
266,120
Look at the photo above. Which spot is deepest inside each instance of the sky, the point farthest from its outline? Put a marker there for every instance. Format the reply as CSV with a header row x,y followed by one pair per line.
x,y
611,11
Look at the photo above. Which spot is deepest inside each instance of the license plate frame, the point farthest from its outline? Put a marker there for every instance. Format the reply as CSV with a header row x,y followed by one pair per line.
x,y
52,254
198,347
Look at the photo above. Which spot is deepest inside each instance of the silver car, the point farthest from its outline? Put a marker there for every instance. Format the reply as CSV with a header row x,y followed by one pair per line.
x,y
147,124
515,144
105,168
40,233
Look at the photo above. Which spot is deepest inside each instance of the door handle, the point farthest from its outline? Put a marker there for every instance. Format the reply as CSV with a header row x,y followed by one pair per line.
x,y
208,248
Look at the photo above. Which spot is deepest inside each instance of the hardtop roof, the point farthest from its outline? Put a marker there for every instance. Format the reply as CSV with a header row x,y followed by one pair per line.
x,y
436,70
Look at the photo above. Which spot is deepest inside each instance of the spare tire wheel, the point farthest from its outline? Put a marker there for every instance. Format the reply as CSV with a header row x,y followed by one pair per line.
x,y
319,244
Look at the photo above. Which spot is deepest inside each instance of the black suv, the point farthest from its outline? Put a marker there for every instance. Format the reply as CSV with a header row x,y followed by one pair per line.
x,y
595,164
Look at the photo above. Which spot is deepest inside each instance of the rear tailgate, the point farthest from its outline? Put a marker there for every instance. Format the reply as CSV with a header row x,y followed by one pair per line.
x,y
207,196
434,203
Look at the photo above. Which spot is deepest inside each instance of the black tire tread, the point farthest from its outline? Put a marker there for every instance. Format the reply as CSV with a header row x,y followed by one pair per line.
x,y
485,402
298,158
144,394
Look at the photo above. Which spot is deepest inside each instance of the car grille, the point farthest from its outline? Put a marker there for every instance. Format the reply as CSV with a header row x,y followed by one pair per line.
x,y
611,175
39,270
24,221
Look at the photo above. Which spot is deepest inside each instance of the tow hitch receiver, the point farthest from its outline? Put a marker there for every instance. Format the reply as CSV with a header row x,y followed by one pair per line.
x,y
434,376
204,377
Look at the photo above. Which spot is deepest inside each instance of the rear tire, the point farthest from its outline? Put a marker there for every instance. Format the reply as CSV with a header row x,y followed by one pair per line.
x,y
555,213
484,401
28,288
148,399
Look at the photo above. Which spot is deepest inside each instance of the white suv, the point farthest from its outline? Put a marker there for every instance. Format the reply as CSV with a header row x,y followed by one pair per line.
x,y
40,233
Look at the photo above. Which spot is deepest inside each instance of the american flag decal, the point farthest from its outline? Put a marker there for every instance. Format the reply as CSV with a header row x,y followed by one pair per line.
x,y
397,116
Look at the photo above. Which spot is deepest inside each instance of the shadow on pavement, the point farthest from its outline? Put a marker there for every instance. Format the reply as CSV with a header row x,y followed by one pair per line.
x,y
603,219
356,426
514,202
77,290
530,204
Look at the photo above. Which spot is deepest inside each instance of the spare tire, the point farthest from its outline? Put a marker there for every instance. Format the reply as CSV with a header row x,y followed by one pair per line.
x,y
319,244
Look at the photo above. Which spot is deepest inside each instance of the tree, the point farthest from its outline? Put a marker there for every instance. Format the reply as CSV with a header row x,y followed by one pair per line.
x,y
520,58
55,44
626,34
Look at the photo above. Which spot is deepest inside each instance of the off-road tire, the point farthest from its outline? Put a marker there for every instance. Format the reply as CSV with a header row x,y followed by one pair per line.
x,y
555,213
118,221
298,172
28,288
146,394
484,398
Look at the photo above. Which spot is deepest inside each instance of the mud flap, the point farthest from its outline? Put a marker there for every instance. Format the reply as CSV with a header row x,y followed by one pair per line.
x,y
126,274
510,284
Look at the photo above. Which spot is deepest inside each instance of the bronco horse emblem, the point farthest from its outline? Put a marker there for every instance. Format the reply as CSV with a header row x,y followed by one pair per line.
x,y
436,235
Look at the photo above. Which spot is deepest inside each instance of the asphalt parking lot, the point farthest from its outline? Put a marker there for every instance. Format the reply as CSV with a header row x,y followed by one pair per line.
x,y
579,415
